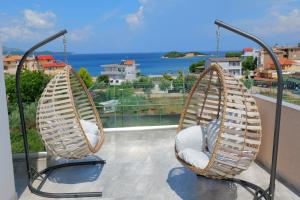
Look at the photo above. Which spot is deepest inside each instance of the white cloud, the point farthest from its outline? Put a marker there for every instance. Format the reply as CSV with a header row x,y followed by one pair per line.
x,y
277,23
81,34
31,26
18,33
39,19
135,19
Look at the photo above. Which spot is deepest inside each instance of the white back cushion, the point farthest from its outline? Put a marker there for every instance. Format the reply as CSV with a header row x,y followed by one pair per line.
x,y
91,131
191,137
212,132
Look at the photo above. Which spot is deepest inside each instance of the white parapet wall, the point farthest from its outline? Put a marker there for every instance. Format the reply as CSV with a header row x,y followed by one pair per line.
x,y
288,164
7,184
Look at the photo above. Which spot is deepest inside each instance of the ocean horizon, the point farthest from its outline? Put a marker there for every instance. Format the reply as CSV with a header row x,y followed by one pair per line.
x,y
149,63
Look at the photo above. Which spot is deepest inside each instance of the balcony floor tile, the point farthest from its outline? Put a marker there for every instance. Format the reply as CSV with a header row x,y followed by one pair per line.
x,y
142,165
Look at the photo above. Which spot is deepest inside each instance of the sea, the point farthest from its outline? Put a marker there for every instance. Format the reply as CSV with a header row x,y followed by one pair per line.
x,y
149,63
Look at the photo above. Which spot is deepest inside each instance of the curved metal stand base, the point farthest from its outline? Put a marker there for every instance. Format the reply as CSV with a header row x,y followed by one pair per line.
x,y
44,174
259,192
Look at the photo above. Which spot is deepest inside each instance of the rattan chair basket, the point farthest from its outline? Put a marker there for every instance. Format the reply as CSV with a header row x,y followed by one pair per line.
x,y
218,95
64,102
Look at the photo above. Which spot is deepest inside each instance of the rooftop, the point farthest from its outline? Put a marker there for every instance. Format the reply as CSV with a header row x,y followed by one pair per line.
x,y
128,62
45,57
288,47
12,58
284,61
225,59
248,49
54,63
141,165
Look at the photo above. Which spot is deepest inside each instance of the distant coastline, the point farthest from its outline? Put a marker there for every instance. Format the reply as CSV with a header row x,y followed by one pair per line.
x,y
176,54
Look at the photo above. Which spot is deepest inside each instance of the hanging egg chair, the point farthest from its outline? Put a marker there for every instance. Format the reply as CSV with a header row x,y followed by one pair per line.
x,y
219,132
67,119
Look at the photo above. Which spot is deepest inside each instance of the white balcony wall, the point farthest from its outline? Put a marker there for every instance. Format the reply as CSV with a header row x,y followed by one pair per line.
x,y
7,184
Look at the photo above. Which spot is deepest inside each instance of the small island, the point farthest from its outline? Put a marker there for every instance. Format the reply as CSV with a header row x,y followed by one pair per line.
x,y
176,54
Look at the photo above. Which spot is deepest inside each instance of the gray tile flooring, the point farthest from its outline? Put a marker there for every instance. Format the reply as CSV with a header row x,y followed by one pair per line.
x,y
142,165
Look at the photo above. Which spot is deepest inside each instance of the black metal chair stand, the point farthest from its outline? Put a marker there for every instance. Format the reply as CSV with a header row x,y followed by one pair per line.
x,y
32,173
260,193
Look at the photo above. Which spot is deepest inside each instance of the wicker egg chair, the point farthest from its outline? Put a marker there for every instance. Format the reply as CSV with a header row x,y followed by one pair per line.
x,y
218,99
63,107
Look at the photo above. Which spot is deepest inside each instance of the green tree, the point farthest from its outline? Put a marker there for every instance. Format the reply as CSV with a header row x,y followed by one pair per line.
x,y
233,54
180,74
178,83
103,78
247,73
144,82
167,77
189,82
249,63
299,44
86,77
200,65
248,83
164,84
32,86
126,84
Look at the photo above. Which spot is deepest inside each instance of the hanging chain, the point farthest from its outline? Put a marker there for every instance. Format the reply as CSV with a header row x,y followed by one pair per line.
x,y
218,40
65,48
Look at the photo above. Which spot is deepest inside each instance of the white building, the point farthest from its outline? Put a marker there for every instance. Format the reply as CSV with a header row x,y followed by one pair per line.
x,y
118,73
255,53
232,64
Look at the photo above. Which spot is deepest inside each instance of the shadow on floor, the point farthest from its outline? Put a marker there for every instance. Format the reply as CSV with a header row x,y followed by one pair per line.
x,y
189,186
20,173
70,175
76,174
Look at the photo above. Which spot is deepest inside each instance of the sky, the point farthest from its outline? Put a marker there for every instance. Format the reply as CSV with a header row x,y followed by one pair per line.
x,y
119,26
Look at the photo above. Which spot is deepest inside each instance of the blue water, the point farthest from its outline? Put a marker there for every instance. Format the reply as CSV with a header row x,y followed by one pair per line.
x,y
150,63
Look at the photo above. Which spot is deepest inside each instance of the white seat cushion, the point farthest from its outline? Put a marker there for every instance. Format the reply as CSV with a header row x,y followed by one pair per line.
x,y
91,131
191,137
89,127
196,158
212,132
93,139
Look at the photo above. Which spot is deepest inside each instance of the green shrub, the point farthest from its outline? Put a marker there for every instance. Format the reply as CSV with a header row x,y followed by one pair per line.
x,y
248,83
86,77
164,85
32,86
145,83
34,141
103,78
233,54
30,115
249,63
194,66
167,77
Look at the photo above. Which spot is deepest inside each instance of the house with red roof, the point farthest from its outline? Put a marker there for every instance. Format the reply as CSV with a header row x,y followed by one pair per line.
x,y
118,73
11,62
49,65
284,62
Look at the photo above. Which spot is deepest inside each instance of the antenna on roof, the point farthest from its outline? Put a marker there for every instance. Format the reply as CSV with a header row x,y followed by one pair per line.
x,y
218,40
65,47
